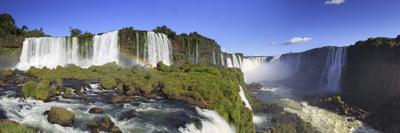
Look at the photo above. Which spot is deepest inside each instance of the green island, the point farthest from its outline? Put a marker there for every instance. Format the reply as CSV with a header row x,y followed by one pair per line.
x,y
204,86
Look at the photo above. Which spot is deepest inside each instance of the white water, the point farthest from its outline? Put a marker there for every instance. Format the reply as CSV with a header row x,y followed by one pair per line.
x,y
244,99
336,59
255,70
53,51
282,68
215,124
321,119
159,48
232,61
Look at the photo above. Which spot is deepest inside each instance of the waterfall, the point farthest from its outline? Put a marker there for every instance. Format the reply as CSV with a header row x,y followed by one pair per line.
x,y
214,124
331,75
232,60
243,97
51,52
250,63
158,46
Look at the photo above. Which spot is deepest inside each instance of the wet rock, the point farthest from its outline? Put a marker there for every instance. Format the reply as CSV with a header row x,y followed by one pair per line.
x,y
126,115
69,93
121,99
269,108
60,116
191,101
96,110
104,124
46,112
3,114
289,122
133,92
91,124
152,96
115,129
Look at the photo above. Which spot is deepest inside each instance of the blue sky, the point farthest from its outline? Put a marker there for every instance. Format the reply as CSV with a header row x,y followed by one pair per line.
x,y
253,27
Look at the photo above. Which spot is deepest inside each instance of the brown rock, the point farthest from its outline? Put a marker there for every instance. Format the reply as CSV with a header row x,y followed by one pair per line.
x,y
96,110
121,99
105,124
60,116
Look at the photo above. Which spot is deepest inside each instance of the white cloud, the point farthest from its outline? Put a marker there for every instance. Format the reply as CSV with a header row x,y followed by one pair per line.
x,y
298,40
334,2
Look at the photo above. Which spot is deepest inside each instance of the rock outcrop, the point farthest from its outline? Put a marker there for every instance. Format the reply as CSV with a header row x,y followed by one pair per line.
x,y
371,79
60,116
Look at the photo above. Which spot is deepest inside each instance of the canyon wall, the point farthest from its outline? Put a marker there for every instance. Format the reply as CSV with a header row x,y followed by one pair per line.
x,y
371,80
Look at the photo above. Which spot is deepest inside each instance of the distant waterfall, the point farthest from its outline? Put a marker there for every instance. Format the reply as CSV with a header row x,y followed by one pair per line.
x,y
159,48
330,79
232,60
53,51
253,62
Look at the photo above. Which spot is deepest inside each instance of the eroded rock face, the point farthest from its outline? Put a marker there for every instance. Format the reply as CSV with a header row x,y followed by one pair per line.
x,y
60,116
371,82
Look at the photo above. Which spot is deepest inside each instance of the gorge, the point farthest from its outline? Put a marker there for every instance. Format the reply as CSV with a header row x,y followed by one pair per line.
x,y
166,82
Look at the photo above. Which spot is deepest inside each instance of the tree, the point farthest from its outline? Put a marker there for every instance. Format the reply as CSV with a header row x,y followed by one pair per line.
x,y
24,28
7,24
167,31
75,32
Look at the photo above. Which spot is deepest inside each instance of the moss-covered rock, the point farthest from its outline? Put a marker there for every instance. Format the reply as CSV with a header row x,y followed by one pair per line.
x,y
60,116
9,126
35,90
108,83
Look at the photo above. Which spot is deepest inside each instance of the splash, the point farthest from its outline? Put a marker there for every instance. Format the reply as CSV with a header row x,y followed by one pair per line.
x,y
213,124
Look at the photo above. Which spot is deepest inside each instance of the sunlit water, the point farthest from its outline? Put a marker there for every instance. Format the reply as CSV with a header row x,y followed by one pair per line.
x,y
322,120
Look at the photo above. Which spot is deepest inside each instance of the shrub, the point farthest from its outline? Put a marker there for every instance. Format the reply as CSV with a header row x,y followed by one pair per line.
x,y
108,83
7,73
35,90
8,126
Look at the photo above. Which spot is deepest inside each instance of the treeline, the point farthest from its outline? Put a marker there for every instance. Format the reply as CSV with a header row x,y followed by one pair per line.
x,y
11,35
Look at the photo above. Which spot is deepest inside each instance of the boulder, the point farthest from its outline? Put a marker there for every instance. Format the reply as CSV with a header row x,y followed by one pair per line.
x,y
126,115
104,124
96,110
60,116
121,99
69,93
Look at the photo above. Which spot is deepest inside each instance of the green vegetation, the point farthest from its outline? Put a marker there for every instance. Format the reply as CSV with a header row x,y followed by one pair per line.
x,y
9,57
7,73
167,31
190,48
38,91
75,32
8,126
196,49
204,86
13,36
108,83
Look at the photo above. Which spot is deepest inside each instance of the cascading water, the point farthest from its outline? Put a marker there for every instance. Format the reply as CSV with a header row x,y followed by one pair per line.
x,y
250,63
51,52
244,99
330,79
232,60
159,48
154,116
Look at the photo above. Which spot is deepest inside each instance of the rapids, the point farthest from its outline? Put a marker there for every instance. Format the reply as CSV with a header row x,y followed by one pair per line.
x,y
322,120
153,116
